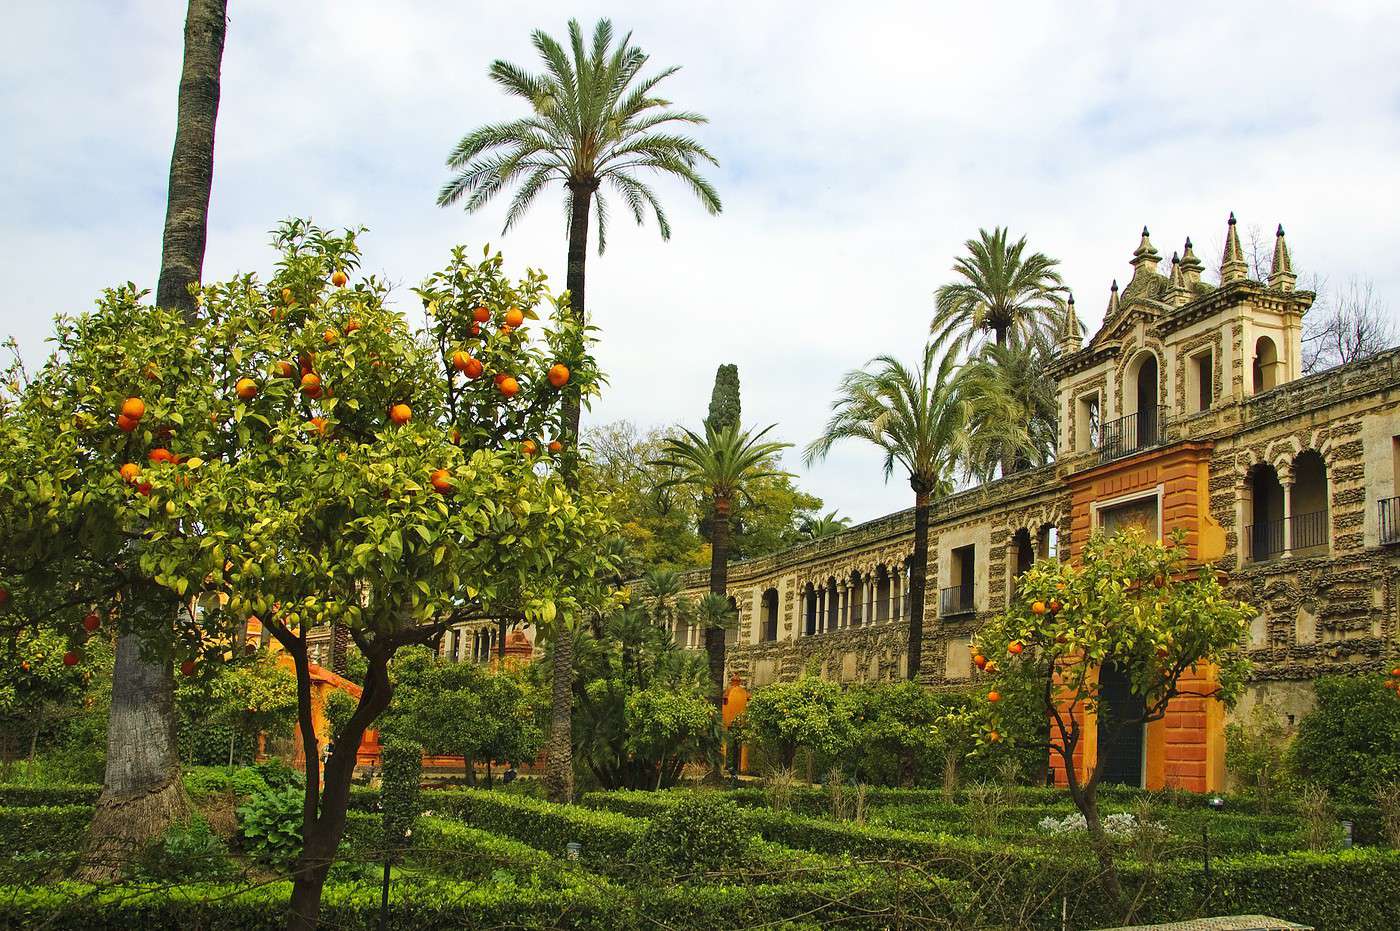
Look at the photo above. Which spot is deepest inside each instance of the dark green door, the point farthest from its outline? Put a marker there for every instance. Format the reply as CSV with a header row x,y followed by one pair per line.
x,y
1120,743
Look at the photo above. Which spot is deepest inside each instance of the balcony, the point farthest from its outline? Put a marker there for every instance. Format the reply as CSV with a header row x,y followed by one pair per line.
x,y
956,599
1389,521
1127,435
1271,539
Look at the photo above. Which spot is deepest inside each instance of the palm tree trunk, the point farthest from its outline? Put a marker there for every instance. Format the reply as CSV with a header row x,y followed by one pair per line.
x,y
142,794
581,199
559,771
918,580
719,585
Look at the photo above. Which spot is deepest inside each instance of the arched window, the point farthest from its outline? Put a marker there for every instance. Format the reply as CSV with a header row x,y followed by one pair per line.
x,y
769,630
857,613
1265,364
1024,554
1264,524
882,594
1308,526
1147,403
833,605
809,606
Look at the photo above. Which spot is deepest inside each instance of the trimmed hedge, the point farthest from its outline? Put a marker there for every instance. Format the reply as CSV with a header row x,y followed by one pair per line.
x,y
448,847
21,796
604,835
49,829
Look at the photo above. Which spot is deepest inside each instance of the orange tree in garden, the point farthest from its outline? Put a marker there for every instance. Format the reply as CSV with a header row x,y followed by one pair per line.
x,y
1129,604
363,478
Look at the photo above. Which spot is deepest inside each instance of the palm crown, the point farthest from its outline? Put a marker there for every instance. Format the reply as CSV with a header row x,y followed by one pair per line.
x,y
722,461
916,416
1002,290
594,120
1011,384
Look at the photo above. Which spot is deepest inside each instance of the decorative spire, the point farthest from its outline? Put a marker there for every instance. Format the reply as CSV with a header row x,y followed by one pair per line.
x,y
1232,264
1145,258
1112,301
1177,294
1071,339
1281,277
1191,266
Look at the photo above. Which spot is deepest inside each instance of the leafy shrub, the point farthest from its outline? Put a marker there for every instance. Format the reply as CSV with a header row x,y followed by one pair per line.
x,y
550,827
696,834
26,796
242,781
339,708
1256,754
44,829
270,826
1350,744
187,851
278,774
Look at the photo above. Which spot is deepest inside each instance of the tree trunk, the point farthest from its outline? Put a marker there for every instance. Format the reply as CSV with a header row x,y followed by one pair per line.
x,y
719,585
192,161
142,794
1088,800
581,199
559,771
469,771
141,791
326,805
918,580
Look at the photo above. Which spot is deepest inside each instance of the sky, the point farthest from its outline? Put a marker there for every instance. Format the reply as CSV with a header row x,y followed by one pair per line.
x,y
860,146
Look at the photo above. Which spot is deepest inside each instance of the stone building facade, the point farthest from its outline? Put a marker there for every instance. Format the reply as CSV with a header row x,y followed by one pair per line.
x,y
1186,410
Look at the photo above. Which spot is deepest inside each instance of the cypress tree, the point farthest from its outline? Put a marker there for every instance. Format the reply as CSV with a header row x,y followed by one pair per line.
x,y
724,399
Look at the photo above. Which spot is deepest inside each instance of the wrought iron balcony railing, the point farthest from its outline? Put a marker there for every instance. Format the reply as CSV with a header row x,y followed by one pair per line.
x,y
1268,540
1389,520
956,599
1127,435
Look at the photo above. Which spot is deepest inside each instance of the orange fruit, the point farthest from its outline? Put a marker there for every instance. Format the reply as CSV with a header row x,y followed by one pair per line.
x,y
400,414
508,386
145,487
993,696
481,314
474,329
1015,647
91,621
330,336
284,369
467,364
558,374
307,362
979,661
529,447
246,388
70,658
993,736
556,447
160,454
1395,671
310,382
442,481
126,424
1055,606
514,317
318,424
506,329
352,325
1038,607
338,279
135,408
187,668
130,472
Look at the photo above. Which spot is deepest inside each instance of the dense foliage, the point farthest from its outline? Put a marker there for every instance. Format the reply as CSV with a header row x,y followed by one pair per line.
x,y
696,834
1350,743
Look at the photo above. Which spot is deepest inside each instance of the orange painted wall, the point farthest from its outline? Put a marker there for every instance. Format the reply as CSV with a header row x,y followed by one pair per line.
x,y
1186,748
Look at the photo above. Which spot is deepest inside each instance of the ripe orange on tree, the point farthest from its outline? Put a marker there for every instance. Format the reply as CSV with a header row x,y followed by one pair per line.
x,y
529,447
126,424
330,336
160,454
70,658
352,325
319,425
514,317
134,408
994,696
1038,607
284,369
508,386
979,661
92,621
130,472
338,279
400,414
246,388
1014,647
993,736
481,314
311,384
556,447
558,374
442,481
187,668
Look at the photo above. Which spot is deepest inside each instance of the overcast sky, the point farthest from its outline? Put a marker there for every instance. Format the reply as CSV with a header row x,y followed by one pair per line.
x,y
860,145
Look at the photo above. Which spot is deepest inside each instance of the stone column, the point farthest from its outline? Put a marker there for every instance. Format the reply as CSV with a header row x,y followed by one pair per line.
x,y
1287,515
843,618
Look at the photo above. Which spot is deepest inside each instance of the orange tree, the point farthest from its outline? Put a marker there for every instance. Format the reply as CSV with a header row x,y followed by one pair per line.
x,y
1130,603
302,457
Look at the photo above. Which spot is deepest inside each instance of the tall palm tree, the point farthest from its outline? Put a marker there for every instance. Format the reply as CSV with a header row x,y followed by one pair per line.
x,y
593,120
918,417
1012,383
1000,290
142,794
720,463
814,528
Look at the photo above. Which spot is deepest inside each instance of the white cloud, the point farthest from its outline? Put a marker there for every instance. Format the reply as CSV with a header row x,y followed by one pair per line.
x,y
860,147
